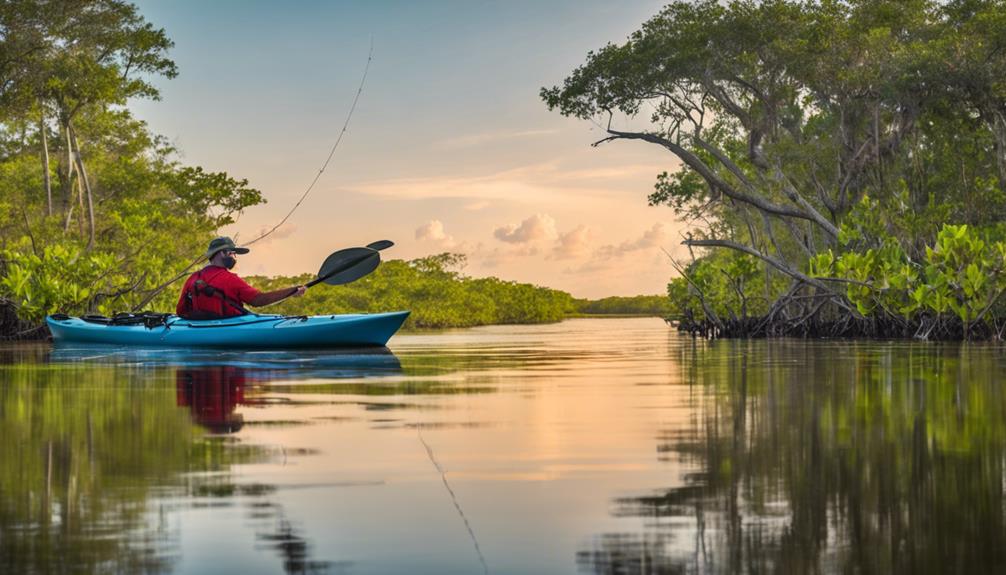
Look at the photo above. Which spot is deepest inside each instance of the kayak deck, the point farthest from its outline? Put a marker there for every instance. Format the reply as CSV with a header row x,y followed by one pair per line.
x,y
248,331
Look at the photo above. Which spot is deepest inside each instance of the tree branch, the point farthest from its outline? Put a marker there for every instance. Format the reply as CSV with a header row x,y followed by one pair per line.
x,y
764,257
799,200
710,176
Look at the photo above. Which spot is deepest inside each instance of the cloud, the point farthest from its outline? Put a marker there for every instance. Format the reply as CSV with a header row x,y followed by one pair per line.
x,y
534,183
476,206
473,140
537,227
572,244
651,238
433,231
607,256
498,257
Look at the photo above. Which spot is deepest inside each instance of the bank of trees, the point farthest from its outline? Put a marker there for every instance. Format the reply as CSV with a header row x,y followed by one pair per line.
x,y
437,294
830,152
648,305
440,296
95,211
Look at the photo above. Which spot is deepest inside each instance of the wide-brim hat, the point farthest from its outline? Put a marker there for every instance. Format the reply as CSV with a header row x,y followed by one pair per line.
x,y
223,243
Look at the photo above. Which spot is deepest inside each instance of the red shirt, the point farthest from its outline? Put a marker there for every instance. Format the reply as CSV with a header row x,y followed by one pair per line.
x,y
222,280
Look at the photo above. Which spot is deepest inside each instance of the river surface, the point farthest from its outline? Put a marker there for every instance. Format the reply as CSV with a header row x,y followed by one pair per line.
x,y
591,446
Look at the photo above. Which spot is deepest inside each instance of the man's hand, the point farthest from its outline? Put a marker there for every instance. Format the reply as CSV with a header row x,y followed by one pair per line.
x,y
301,290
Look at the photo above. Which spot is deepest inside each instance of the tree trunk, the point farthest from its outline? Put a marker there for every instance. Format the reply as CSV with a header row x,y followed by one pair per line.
x,y
68,199
80,206
45,162
85,183
68,182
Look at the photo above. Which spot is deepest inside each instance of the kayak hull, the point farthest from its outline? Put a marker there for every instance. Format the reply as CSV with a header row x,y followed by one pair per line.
x,y
247,332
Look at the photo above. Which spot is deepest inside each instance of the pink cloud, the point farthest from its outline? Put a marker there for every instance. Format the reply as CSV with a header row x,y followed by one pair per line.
x,y
537,227
572,244
433,231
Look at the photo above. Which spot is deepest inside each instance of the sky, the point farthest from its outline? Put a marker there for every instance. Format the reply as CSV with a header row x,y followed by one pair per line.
x,y
450,147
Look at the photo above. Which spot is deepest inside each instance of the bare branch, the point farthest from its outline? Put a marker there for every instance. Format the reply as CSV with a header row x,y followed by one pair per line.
x,y
799,200
710,176
779,265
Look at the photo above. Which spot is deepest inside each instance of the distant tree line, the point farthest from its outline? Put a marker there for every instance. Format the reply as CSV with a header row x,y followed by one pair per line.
x,y
440,296
650,305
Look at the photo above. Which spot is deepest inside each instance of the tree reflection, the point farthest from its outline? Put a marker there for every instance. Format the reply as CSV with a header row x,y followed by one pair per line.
x,y
286,540
87,452
90,453
837,457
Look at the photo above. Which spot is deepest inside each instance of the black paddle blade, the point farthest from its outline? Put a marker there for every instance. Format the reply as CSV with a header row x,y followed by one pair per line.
x,y
381,245
356,272
347,265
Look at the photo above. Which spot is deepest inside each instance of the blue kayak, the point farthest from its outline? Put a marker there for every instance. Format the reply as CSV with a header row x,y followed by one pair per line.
x,y
246,331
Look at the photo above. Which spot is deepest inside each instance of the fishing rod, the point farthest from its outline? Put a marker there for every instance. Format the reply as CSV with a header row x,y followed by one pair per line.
x,y
345,126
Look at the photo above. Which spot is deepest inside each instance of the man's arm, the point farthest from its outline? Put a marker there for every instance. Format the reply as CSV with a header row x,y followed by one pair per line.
x,y
266,298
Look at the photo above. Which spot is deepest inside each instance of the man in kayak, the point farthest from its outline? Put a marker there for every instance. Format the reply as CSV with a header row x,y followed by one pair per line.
x,y
215,292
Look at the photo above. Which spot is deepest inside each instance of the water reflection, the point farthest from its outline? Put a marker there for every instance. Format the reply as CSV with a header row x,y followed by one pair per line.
x,y
267,365
212,394
837,457
94,444
607,446
83,462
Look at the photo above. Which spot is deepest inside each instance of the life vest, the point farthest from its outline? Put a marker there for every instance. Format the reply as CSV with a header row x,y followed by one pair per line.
x,y
197,297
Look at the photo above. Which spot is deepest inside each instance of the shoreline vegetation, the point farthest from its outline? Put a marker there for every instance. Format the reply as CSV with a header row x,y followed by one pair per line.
x,y
843,172
843,164
439,296
97,213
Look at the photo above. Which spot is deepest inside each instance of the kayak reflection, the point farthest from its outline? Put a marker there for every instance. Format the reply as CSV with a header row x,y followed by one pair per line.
x,y
259,365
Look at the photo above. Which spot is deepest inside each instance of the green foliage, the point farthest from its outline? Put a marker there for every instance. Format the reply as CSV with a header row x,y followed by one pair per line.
x,y
86,446
212,193
651,305
679,190
723,284
805,129
89,52
441,297
855,441
72,69
55,280
960,274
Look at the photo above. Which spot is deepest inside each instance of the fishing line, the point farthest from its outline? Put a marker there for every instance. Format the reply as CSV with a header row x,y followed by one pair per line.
x,y
185,272
454,499
331,152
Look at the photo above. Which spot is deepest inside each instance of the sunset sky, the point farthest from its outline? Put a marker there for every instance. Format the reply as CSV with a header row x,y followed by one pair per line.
x,y
450,147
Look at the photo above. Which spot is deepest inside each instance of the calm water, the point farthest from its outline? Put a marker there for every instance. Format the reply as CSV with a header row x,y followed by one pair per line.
x,y
597,446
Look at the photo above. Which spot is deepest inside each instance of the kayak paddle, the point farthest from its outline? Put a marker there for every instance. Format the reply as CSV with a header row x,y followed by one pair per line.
x,y
348,265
